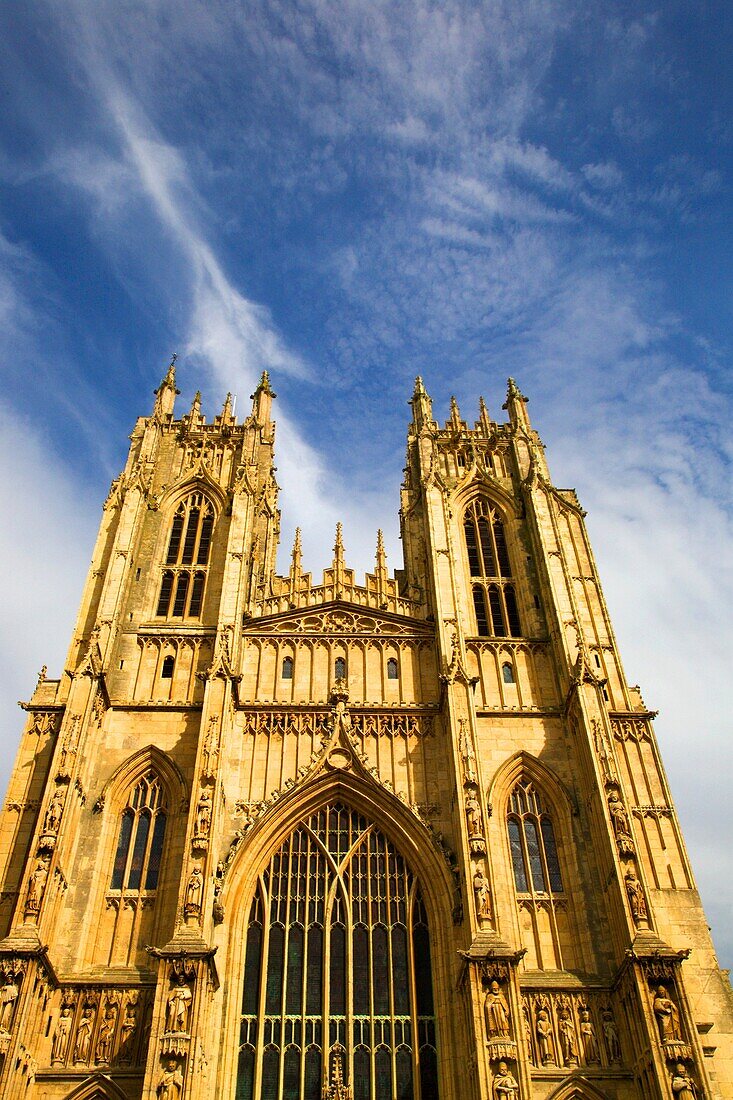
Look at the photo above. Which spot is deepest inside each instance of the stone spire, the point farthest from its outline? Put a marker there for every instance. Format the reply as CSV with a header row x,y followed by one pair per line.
x,y
422,406
227,416
381,570
338,559
483,416
516,406
165,395
296,567
194,416
455,415
262,400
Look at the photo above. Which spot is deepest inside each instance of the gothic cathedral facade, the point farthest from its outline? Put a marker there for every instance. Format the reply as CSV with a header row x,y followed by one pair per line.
x,y
272,837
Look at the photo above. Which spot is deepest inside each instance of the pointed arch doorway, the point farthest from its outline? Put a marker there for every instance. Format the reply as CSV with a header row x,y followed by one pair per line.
x,y
337,969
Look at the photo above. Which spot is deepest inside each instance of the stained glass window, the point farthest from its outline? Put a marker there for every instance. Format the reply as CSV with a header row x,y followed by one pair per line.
x,y
338,936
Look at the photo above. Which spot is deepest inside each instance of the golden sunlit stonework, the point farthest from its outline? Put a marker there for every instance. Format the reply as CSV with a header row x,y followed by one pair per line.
x,y
272,837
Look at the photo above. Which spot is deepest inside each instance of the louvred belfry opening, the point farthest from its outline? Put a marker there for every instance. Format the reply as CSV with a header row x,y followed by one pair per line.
x,y
337,965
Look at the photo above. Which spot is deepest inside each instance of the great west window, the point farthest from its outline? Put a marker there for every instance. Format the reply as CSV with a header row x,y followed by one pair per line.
x,y
337,967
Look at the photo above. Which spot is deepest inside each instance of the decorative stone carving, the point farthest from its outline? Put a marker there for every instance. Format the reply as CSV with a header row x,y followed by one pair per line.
x,y
682,1084
668,1022
545,1037
474,822
170,1085
9,991
62,1034
496,1012
620,822
568,1038
505,1085
588,1036
481,894
210,754
203,820
128,1030
610,1035
83,1040
36,888
527,1032
192,903
637,901
106,1033
178,1007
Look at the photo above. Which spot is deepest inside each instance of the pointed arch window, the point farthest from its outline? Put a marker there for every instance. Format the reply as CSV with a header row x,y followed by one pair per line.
x,y
187,559
337,966
140,840
494,597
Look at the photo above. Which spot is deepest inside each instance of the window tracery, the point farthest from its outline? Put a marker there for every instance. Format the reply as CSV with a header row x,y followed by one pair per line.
x,y
494,596
545,903
187,559
337,962
140,839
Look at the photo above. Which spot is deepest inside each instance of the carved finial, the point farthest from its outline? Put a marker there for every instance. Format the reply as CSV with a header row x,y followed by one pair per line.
x,y
516,405
483,414
166,392
297,546
339,546
42,675
380,545
226,412
195,411
455,414
422,406
263,386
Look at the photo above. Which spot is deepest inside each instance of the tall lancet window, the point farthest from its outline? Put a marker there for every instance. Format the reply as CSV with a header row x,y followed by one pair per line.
x,y
337,966
187,559
492,589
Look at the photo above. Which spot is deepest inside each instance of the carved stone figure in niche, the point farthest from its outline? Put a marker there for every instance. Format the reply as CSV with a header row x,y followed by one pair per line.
x,y
588,1035
36,886
8,997
637,901
127,1033
527,1033
103,1050
682,1084
84,1035
481,894
496,1012
610,1035
60,1043
620,822
203,814
473,813
179,1004
52,819
668,1017
171,1082
544,1037
192,905
506,1086
568,1042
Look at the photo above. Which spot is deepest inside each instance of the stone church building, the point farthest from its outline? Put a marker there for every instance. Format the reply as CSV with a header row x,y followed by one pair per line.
x,y
408,836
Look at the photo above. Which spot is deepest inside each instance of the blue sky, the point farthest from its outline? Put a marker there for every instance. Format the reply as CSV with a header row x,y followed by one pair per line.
x,y
348,194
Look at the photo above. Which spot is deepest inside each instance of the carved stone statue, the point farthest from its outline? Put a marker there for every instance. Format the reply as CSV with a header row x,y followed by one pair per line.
x,y
179,1005
568,1041
8,997
203,815
481,894
36,886
527,1033
682,1084
60,1043
473,814
52,819
620,822
544,1037
192,905
127,1033
84,1035
496,1012
668,1017
506,1086
610,1034
588,1035
103,1049
171,1082
635,893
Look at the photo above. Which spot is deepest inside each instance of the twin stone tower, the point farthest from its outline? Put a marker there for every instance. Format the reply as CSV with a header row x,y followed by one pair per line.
x,y
272,837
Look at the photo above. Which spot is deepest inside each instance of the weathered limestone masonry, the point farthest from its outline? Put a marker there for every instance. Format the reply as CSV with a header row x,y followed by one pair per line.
x,y
268,837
